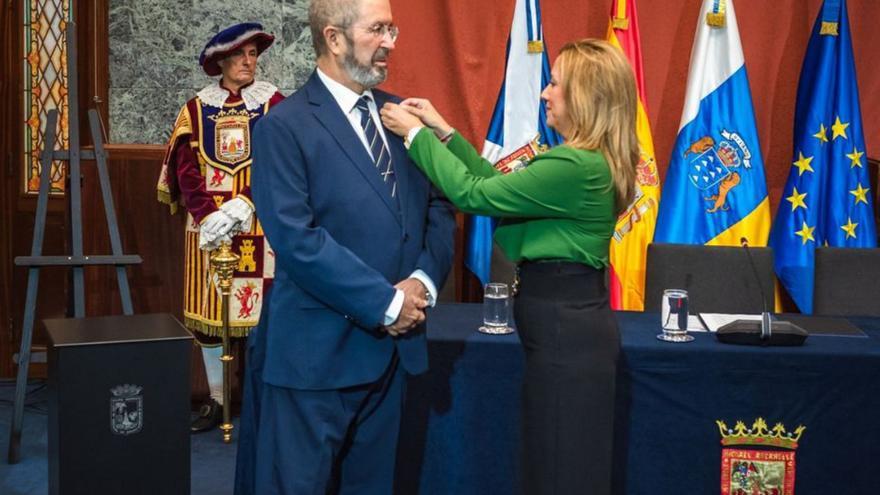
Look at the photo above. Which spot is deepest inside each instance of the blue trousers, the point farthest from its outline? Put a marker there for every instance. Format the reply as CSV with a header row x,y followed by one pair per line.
x,y
320,442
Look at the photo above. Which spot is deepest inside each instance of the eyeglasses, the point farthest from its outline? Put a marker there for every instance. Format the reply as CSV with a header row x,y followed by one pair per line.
x,y
380,30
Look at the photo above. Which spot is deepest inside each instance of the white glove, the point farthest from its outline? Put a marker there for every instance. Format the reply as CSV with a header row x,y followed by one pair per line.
x,y
240,211
218,223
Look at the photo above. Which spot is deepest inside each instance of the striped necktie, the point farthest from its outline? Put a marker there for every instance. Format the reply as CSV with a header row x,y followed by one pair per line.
x,y
381,157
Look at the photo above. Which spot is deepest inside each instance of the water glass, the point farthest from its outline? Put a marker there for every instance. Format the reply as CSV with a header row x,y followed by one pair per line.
x,y
496,309
674,316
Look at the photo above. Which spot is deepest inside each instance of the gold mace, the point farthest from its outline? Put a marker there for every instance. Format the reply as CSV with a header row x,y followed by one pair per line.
x,y
224,262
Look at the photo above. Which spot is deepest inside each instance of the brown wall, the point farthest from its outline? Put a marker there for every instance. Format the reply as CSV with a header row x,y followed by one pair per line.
x,y
453,53
147,229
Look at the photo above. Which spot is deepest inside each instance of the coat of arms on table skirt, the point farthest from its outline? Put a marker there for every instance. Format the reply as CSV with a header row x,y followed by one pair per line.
x,y
758,460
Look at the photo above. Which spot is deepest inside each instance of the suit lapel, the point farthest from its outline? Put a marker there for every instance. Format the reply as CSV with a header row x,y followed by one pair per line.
x,y
327,111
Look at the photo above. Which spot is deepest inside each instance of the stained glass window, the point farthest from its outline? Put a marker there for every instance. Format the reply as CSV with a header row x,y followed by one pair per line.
x,y
45,87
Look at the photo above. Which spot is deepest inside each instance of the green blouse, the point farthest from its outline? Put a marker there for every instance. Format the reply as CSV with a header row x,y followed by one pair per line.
x,y
560,207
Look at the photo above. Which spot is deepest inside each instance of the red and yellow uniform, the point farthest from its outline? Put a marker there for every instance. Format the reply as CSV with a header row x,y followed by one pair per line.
x,y
208,163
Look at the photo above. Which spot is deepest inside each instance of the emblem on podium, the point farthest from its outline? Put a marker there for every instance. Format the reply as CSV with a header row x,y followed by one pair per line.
x,y
126,409
758,460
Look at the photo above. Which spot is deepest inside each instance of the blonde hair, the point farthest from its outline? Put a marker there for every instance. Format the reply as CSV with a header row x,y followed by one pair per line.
x,y
602,103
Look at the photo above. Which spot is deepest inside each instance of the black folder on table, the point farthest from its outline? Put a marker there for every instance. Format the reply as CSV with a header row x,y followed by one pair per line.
x,y
823,325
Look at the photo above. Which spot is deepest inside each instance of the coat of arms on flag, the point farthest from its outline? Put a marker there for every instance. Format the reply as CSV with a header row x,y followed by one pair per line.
x,y
766,467
714,169
519,158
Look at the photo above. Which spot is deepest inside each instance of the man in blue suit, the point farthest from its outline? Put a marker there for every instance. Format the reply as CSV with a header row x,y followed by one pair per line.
x,y
362,242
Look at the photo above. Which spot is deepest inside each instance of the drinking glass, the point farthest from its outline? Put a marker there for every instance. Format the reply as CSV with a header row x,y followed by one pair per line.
x,y
496,309
674,316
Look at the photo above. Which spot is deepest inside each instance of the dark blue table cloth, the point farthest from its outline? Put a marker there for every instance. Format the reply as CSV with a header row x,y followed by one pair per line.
x,y
460,429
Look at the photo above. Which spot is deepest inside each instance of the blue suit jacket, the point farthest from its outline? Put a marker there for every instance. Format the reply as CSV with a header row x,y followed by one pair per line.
x,y
341,242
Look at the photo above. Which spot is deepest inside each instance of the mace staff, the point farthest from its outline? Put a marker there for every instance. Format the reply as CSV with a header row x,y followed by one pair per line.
x,y
224,262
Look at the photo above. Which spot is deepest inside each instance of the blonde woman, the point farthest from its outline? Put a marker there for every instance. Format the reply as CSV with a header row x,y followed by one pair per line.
x,y
558,215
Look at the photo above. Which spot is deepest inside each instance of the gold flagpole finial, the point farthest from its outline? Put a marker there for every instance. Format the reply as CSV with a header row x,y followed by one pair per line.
x,y
829,29
717,18
620,20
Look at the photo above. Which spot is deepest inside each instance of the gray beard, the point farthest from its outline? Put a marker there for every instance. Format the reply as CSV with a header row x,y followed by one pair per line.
x,y
365,75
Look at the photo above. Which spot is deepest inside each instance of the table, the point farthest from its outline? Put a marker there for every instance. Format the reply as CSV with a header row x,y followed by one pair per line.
x,y
460,436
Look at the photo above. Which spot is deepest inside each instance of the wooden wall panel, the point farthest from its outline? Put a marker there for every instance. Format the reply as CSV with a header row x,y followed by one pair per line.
x,y
11,96
147,229
18,210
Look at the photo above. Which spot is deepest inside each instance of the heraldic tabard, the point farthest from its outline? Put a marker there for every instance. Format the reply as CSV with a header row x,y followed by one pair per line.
x,y
220,138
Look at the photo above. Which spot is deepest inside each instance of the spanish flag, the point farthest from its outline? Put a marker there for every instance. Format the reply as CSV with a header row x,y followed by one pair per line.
x,y
635,227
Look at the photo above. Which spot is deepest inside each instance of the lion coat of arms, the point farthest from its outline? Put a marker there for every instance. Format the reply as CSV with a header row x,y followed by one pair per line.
x,y
713,168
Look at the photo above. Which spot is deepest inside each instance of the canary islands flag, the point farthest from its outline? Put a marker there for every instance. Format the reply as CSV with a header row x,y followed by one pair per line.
x,y
635,227
826,200
715,192
519,117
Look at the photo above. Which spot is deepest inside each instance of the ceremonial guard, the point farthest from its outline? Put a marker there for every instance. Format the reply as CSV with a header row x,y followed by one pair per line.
x,y
207,171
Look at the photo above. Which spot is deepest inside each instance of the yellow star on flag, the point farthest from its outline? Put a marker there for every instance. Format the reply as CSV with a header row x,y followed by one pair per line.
x,y
849,228
803,164
797,200
860,193
855,157
822,135
838,129
806,233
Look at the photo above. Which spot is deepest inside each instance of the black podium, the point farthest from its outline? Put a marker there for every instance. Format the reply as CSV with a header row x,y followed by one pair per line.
x,y
119,407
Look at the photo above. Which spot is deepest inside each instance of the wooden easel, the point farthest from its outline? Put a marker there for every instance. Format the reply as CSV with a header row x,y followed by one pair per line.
x,y
77,261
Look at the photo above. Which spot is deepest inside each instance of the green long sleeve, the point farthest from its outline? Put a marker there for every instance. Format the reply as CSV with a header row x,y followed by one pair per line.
x,y
559,207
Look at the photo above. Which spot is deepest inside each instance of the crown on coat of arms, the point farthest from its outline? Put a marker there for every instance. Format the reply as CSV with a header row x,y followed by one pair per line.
x,y
727,154
759,434
233,114
126,390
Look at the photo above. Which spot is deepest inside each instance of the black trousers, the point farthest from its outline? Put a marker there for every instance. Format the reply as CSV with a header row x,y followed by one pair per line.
x,y
571,345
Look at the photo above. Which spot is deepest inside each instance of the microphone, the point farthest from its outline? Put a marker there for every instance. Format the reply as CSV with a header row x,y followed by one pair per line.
x,y
765,332
766,329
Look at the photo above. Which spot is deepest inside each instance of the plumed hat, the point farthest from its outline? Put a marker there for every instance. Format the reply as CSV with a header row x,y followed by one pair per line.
x,y
230,39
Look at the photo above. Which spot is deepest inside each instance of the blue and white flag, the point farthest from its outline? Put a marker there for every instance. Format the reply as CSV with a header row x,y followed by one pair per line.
x,y
715,192
827,199
518,118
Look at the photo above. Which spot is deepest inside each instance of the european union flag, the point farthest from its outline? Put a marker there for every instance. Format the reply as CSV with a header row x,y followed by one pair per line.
x,y
827,199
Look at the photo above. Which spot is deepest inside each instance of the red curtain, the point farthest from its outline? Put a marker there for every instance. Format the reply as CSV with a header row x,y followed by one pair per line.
x,y
452,51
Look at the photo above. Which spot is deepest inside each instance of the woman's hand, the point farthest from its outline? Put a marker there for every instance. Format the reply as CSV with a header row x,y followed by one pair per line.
x,y
429,115
398,119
